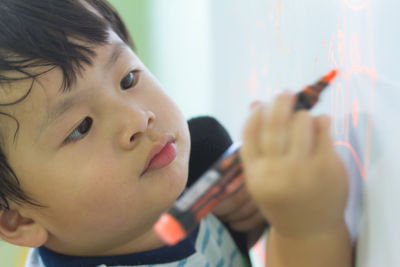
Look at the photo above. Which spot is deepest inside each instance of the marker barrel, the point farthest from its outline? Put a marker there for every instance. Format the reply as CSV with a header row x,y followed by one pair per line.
x,y
224,177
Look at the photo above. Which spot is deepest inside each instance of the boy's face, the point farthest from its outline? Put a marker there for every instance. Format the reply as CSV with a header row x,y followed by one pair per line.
x,y
84,154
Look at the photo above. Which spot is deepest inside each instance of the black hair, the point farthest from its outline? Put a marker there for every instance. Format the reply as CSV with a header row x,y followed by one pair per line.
x,y
47,34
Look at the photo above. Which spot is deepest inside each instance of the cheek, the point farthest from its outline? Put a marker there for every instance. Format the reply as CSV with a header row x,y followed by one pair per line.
x,y
101,198
101,186
89,187
109,189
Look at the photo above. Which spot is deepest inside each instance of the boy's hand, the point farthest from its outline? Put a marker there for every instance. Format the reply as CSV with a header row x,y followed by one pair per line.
x,y
292,170
239,211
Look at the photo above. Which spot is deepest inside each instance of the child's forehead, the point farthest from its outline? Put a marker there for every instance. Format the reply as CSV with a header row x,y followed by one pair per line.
x,y
17,94
51,78
25,98
13,91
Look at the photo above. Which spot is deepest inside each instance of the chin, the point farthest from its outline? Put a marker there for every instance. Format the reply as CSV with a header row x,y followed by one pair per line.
x,y
177,182
178,185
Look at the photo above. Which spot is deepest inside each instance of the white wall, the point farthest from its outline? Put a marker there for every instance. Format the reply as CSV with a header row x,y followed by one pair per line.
x,y
182,48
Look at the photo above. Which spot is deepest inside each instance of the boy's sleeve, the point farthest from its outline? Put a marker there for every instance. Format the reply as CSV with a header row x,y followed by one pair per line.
x,y
209,140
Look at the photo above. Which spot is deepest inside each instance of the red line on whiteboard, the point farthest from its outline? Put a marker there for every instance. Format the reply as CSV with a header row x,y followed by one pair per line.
x,y
339,100
359,6
279,11
369,71
355,156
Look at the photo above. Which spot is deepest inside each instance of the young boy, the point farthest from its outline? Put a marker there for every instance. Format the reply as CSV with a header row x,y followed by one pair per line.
x,y
93,151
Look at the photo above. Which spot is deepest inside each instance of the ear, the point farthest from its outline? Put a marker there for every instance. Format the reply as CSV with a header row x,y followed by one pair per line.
x,y
21,231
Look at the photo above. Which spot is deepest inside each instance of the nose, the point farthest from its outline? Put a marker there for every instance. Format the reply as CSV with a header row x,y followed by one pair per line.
x,y
137,122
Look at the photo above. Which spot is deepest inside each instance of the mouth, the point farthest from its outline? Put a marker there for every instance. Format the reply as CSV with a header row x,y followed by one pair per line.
x,y
161,155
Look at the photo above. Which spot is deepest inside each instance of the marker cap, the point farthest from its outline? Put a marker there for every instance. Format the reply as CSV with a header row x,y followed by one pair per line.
x,y
169,229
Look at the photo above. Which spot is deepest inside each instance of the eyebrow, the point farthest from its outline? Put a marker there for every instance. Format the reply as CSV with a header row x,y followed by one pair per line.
x,y
115,54
58,110
66,104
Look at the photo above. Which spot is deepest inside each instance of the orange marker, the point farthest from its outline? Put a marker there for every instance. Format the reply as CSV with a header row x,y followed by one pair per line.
x,y
224,177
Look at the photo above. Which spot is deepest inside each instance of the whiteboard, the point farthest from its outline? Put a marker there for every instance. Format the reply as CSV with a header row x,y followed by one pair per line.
x,y
226,53
261,47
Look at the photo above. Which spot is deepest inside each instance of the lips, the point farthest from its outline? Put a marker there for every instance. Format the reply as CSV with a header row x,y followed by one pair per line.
x,y
160,155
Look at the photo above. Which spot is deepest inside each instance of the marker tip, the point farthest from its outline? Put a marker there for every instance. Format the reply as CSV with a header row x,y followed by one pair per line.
x,y
329,77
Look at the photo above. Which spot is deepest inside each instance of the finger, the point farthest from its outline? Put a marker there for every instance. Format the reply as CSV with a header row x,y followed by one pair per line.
x,y
301,134
249,223
274,127
250,139
242,212
324,142
231,203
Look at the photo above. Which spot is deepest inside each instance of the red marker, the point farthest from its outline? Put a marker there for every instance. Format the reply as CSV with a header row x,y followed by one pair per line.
x,y
224,177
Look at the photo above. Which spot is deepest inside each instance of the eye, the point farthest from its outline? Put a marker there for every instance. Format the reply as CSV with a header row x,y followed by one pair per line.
x,y
129,80
80,131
